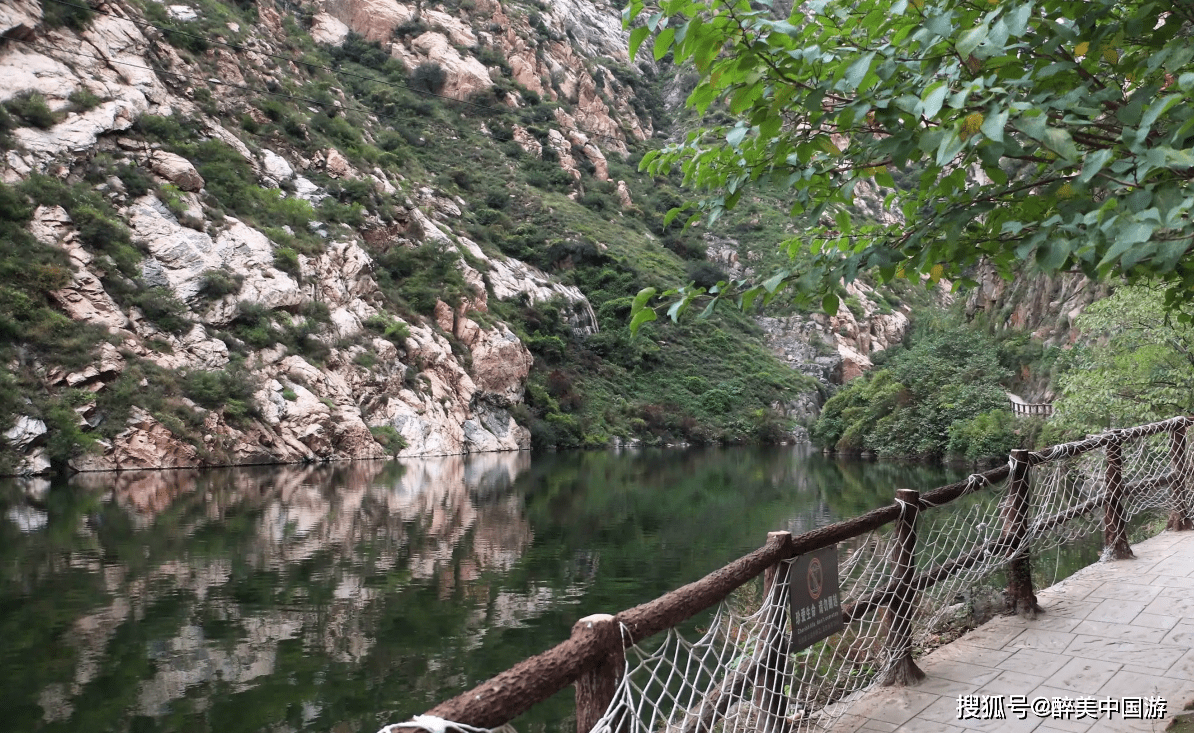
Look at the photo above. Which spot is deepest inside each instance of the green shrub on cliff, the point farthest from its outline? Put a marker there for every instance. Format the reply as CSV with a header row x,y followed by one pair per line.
x,y
949,375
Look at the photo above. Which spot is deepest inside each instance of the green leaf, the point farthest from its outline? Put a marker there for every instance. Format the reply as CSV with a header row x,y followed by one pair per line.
x,y
663,42
933,98
1017,20
1134,233
748,298
734,138
646,315
941,25
993,125
1060,142
675,310
829,304
637,36
971,39
1093,164
640,300
856,72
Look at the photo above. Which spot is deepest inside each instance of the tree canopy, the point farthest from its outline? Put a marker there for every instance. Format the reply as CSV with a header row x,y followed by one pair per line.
x,y
1050,132
924,399
1139,368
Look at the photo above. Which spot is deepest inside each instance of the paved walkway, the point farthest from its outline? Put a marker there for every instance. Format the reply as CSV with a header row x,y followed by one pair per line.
x,y
1116,629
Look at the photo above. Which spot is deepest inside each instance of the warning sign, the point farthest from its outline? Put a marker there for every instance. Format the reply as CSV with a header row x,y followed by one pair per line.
x,y
816,608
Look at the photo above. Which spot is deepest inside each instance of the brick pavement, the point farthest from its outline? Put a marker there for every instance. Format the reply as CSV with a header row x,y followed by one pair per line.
x,y
1116,629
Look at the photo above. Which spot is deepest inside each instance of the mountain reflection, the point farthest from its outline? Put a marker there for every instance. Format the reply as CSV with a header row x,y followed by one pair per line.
x,y
309,543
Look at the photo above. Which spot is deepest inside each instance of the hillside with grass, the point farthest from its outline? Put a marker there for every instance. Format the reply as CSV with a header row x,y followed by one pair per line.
x,y
262,232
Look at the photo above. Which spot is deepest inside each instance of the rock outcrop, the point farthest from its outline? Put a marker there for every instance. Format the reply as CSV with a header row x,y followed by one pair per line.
x,y
448,387
1046,306
833,349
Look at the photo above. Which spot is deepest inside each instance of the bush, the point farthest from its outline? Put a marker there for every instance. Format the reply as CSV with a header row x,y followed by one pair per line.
x,y
286,260
230,389
389,328
409,29
595,201
218,283
169,130
136,181
31,109
389,438
366,53
82,100
429,77
76,16
950,374
990,434
94,219
97,229
163,309
705,274
254,325
416,277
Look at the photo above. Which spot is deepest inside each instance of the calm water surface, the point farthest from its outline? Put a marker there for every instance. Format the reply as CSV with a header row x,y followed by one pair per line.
x,y
341,598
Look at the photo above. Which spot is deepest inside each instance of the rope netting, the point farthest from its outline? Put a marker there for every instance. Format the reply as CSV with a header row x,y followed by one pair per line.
x,y
741,674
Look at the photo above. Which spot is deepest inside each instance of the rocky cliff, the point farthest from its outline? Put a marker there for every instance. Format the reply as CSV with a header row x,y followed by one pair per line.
x,y
445,385
263,232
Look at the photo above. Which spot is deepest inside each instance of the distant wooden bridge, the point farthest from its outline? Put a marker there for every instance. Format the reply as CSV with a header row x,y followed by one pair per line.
x,y
1024,409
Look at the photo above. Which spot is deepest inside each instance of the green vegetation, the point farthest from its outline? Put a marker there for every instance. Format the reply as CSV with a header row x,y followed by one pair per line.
x,y
705,383
389,328
76,16
389,438
942,393
32,328
82,100
1074,112
414,278
257,327
230,389
218,283
1135,365
30,109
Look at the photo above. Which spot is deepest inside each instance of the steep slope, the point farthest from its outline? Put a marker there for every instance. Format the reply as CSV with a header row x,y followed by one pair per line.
x,y
257,233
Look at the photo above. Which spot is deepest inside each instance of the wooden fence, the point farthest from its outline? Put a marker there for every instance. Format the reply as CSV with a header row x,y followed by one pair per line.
x,y
592,658
1024,409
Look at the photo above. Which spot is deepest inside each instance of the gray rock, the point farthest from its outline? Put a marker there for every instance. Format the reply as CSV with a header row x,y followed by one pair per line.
x,y
25,432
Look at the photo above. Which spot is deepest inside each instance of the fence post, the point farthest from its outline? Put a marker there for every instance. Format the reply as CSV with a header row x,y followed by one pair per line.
x,y
1115,527
596,686
776,661
1020,595
1179,513
901,669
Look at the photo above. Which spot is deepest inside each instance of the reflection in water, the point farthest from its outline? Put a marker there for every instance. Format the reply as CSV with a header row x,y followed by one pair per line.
x,y
342,597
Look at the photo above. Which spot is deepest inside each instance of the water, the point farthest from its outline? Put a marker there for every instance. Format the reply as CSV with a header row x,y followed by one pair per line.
x,y
340,598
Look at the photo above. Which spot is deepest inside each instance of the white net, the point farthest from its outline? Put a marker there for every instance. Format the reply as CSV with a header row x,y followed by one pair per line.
x,y
741,672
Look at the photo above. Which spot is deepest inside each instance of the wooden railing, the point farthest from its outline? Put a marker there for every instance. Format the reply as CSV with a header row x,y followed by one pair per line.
x,y
592,658
1024,409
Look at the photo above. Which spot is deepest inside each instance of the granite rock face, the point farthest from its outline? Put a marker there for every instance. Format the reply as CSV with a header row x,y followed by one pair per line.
x,y
449,387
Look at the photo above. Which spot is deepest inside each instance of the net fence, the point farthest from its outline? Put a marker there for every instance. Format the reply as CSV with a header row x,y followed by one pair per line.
x,y
740,672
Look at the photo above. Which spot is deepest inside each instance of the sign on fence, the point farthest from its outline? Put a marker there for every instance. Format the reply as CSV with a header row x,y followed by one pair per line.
x,y
812,587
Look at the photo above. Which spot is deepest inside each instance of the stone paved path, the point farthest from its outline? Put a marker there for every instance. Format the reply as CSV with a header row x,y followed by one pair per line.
x,y
1116,629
